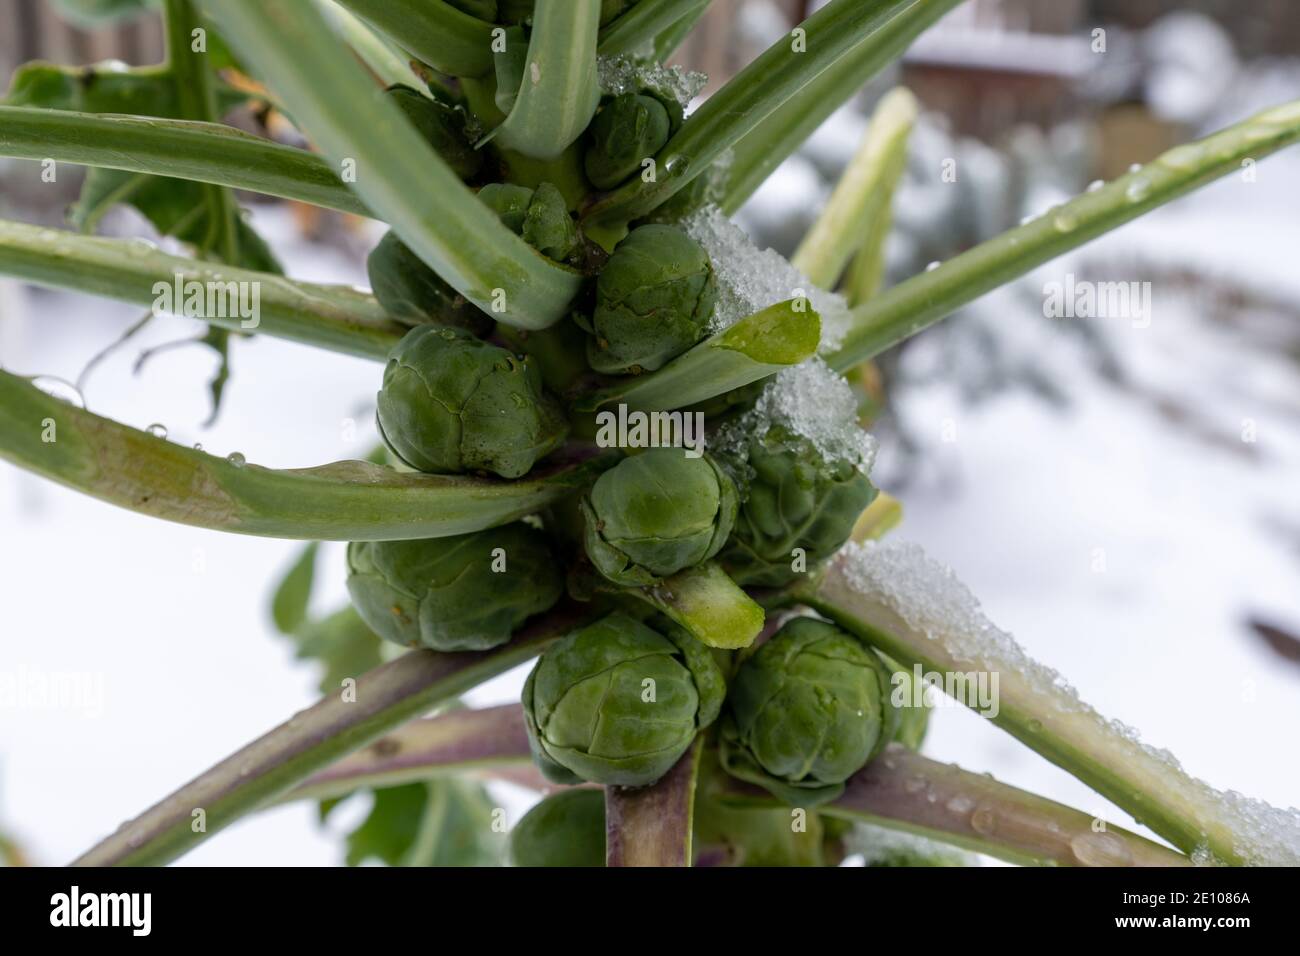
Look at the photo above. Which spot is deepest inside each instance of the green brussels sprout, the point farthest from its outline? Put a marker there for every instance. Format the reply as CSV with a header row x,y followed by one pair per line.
x,y
806,711
467,592
452,403
412,293
509,202
443,126
792,499
655,514
548,227
618,702
564,829
628,130
654,300
483,9
540,216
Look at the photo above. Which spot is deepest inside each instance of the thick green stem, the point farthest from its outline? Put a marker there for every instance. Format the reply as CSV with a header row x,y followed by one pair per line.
x,y
343,501
360,712
921,301
653,826
644,22
442,221
203,152
559,94
448,40
904,791
332,317
857,214
457,742
744,102
1026,701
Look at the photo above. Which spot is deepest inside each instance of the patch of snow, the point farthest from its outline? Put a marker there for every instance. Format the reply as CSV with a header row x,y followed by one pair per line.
x,y
622,74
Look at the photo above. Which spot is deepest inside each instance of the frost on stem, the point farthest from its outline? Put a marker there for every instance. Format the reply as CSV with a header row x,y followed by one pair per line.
x,y
812,401
623,74
930,601
883,847
751,279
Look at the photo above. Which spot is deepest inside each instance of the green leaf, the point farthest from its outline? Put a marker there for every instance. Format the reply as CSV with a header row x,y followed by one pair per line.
x,y
289,604
447,39
645,22
342,643
757,346
441,823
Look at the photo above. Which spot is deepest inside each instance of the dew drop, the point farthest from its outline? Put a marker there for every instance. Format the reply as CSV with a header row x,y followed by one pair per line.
x,y
140,247
135,840
1026,220
64,391
960,804
1065,221
1135,167
932,266
984,821
157,430
1036,726
1095,185
1101,849
237,459
1137,190
198,446
914,784
1182,158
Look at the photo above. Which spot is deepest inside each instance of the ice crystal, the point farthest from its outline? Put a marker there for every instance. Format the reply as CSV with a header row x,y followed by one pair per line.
x,y
623,74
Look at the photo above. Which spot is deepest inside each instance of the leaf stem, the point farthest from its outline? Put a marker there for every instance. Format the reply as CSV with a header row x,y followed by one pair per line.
x,y
745,101
343,501
644,22
449,40
184,149
904,791
332,317
339,724
558,94
914,305
443,222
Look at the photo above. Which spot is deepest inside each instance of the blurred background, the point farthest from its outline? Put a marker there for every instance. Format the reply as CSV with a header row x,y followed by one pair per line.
x,y
1122,496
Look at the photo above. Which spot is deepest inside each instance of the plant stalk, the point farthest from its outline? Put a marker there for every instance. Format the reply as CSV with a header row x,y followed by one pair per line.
x,y
338,725
653,826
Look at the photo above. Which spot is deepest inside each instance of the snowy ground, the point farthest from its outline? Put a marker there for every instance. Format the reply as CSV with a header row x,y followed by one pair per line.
x,y
1123,538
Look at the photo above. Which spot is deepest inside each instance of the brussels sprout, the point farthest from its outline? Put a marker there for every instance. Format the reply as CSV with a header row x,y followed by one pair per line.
x,y
540,216
548,227
452,403
412,293
628,130
483,9
655,514
654,300
564,829
806,711
509,202
793,499
618,702
443,126
467,592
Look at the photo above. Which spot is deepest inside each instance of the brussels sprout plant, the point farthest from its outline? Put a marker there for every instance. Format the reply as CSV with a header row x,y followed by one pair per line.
x,y
719,649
